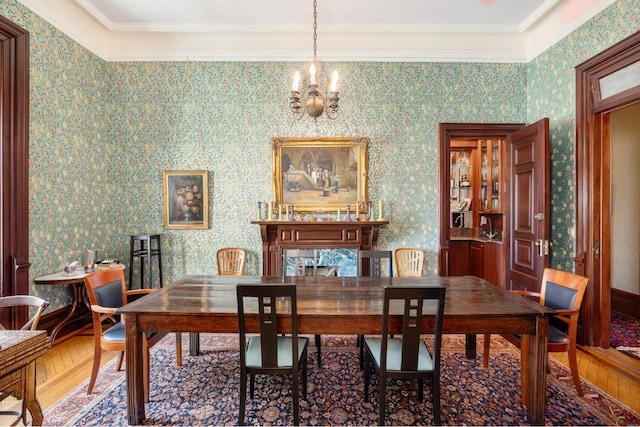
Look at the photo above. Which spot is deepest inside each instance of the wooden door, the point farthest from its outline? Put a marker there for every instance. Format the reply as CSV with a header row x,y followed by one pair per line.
x,y
528,211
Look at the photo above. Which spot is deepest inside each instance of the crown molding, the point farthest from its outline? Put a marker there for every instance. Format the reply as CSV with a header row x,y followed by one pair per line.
x,y
414,43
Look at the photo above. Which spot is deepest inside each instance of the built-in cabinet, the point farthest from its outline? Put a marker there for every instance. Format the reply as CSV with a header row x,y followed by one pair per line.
x,y
474,200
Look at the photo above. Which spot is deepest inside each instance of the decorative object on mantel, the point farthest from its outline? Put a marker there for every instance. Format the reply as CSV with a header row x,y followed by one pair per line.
x,y
313,101
320,174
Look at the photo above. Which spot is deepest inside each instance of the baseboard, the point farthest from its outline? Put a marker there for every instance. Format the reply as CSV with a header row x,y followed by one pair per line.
x,y
625,303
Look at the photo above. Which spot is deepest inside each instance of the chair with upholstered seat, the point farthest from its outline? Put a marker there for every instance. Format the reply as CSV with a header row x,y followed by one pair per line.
x,y
231,261
408,262
21,302
563,292
270,353
107,292
407,357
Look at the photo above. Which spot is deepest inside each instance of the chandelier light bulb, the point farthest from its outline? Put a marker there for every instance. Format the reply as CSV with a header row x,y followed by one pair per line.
x,y
334,81
312,73
296,81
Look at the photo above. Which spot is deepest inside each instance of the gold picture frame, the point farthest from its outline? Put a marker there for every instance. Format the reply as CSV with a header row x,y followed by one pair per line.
x,y
186,199
321,174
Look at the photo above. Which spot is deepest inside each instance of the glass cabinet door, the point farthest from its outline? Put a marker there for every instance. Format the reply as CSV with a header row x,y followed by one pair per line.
x,y
490,172
461,188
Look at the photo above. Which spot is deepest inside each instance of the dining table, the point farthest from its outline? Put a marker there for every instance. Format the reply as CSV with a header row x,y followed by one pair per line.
x,y
340,305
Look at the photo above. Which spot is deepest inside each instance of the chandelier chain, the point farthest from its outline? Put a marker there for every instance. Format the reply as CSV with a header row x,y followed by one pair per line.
x,y
315,27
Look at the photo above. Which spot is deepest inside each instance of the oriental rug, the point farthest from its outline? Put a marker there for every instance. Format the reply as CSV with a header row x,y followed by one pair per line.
x,y
625,334
204,391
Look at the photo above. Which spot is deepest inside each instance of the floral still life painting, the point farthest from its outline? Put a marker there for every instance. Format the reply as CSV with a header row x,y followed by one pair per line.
x,y
186,201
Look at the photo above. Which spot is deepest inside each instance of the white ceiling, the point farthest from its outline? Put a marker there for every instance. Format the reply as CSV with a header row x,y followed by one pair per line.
x,y
348,30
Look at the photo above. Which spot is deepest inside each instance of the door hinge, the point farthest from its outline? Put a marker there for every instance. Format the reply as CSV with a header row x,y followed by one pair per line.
x,y
539,216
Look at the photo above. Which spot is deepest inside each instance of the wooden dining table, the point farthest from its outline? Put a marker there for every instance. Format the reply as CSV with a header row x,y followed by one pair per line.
x,y
340,305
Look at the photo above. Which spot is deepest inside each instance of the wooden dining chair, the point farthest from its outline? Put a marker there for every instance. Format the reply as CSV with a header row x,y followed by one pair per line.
x,y
562,291
407,357
231,261
107,292
38,306
408,262
305,263
271,353
374,260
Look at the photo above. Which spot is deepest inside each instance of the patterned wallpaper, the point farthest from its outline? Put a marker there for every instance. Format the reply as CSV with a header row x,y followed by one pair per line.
x,y
102,133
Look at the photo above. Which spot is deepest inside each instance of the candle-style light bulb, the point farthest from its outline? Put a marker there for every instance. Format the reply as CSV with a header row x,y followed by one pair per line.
x,y
334,81
296,80
312,73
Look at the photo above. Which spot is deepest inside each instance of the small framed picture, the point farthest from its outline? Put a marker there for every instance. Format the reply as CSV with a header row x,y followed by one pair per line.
x,y
186,199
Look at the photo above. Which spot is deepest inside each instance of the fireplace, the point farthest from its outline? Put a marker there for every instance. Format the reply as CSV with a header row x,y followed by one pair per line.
x,y
279,235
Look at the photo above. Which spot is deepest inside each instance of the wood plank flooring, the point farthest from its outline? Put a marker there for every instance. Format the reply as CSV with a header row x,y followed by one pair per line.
x,y
69,362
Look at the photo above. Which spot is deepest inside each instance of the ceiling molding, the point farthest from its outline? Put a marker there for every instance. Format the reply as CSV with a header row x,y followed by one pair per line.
x,y
388,43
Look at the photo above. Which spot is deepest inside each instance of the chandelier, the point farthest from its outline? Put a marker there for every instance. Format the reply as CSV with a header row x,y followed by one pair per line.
x,y
314,101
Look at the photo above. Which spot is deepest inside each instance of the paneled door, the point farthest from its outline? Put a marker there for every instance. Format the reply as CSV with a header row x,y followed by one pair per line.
x,y
528,213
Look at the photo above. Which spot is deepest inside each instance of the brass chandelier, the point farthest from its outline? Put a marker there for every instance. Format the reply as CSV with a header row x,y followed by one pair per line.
x,y
313,101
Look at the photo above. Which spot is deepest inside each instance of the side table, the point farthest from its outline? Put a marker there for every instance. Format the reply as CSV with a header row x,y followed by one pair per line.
x,y
79,298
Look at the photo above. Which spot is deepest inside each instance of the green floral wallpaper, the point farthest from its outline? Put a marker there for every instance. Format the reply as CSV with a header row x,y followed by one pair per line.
x,y
102,133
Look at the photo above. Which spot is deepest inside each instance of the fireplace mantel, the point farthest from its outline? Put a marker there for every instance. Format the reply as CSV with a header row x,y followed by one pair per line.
x,y
279,235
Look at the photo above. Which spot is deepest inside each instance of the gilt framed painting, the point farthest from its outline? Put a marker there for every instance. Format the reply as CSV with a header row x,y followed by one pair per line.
x,y
186,199
320,174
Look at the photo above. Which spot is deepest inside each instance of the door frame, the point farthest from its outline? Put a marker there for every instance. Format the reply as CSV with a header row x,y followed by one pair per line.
x,y
447,132
593,233
14,169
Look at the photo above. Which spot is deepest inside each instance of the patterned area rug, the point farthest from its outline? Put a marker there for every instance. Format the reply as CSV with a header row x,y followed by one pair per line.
x,y
204,391
625,334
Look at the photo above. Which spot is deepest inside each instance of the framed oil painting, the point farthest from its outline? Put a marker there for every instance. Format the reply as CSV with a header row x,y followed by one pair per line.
x,y
186,199
320,174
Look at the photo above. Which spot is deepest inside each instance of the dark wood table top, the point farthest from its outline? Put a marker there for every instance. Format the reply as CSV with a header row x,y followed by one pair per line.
x,y
338,304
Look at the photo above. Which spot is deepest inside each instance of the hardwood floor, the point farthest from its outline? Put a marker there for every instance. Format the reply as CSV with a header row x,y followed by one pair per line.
x,y
68,364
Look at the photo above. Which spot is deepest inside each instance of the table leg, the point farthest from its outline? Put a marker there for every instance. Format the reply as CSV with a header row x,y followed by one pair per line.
x,y
470,346
537,372
194,343
134,371
30,400
76,289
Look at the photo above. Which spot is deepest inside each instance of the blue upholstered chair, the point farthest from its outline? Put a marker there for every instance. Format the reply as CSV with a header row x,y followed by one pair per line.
x,y
407,357
270,353
107,292
562,291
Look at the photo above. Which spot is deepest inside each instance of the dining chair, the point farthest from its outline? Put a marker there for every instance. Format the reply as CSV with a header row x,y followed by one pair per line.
x,y
270,353
563,292
231,261
28,302
107,292
408,262
374,259
304,261
407,356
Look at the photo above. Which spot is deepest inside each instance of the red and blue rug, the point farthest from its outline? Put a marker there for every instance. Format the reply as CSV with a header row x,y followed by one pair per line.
x,y
625,334
204,391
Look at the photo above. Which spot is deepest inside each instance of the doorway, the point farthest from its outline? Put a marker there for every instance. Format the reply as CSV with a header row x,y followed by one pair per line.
x,y
605,84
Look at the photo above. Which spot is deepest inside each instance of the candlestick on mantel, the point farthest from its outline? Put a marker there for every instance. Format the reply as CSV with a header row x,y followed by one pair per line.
x,y
380,217
348,213
339,217
287,213
259,217
279,212
358,209
270,212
